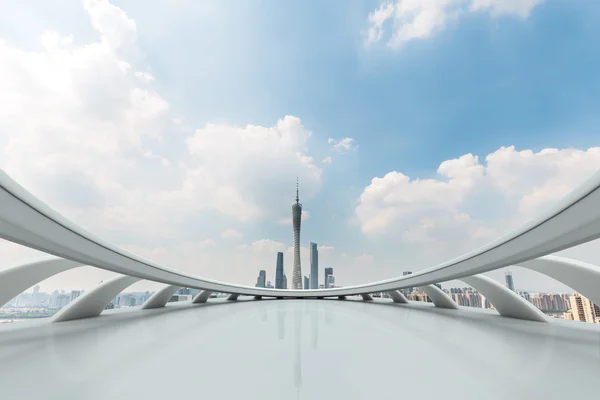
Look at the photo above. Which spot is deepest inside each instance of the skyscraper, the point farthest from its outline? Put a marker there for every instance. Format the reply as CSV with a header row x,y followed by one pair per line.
x,y
279,272
509,281
406,291
584,310
328,275
297,219
284,282
262,279
306,283
314,266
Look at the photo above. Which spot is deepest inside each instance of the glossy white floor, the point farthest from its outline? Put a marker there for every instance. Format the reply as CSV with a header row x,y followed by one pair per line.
x,y
299,349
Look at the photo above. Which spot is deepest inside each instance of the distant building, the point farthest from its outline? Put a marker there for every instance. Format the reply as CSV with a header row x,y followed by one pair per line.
x,y
284,282
269,286
262,279
279,274
306,283
314,266
328,274
74,294
509,281
406,291
582,309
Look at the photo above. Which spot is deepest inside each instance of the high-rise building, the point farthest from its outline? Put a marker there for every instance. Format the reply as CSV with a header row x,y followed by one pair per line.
x,y
269,286
261,281
297,220
74,294
509,281
306,283
584,310
279,272
408,290
36,294
328,273
284,281
314,266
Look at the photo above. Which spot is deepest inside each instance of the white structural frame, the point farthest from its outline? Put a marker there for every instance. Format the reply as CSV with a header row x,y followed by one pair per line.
x,y
576,219
580,276
505,301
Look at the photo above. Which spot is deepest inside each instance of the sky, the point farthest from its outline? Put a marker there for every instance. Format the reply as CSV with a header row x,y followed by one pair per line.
x,y
418,130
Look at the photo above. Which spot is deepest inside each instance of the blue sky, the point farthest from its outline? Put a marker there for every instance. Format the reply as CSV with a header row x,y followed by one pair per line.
x,y
479,81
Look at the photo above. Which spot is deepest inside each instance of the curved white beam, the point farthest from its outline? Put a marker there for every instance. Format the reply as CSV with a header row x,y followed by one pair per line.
x,y
92,303
17,279
584,278
504,300
438,297
161,297
27,221
202,297
398,297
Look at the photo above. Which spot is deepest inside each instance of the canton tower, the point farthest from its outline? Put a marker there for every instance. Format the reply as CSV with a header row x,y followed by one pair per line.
x,y
297,219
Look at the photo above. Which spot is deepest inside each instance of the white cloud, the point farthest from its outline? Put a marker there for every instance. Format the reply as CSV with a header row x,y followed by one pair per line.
x,y
244,172
267,246
145,77
343,145
327,160
419,19
325,249
207,244
365,259
232,234
470,202
105,150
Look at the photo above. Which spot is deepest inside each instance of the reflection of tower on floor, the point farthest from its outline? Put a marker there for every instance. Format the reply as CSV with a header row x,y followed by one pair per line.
x,y
297,220
297,358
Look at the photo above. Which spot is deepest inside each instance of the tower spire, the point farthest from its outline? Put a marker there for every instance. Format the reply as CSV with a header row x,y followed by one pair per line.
x,y
297,191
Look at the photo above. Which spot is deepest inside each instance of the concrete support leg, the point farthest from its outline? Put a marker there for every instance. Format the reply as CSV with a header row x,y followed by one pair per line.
x,y
92,303
202,297
160,298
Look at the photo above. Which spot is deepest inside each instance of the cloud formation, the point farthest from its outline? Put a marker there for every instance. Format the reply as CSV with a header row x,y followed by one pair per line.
x,y
404,20
343,145
472,202
82,127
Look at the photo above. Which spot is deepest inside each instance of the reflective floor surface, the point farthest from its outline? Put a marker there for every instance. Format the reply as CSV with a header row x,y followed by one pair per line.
x,y
299,349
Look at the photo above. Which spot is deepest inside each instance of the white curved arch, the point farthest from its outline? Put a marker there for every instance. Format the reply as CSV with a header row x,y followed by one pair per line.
x,y
17,279
398,297
26,220
582,277
438,297
201,297
92,303
161,297
504,300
